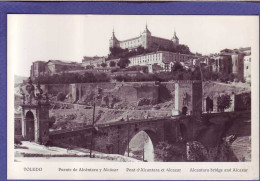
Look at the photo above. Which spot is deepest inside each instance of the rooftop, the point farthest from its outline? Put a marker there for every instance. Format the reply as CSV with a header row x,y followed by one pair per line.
x,y
159,52
64,62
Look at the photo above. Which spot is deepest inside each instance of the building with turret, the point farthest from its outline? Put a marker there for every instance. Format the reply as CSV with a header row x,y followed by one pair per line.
x,y
145,40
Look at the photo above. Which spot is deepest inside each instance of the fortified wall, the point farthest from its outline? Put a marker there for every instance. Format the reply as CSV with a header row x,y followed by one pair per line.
x,y
126,91
130,92
188,92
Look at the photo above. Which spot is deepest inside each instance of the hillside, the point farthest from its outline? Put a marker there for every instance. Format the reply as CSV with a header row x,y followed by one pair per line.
x,y
67,117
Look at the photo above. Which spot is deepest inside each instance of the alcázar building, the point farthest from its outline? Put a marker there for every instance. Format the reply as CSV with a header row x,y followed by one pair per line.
x,y
145,40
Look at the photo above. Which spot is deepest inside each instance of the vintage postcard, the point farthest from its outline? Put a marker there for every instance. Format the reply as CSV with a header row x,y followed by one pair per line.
x,y
133,97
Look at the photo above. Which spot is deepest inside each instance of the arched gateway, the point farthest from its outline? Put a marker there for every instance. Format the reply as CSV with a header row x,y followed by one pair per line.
x,y
29,125
35,113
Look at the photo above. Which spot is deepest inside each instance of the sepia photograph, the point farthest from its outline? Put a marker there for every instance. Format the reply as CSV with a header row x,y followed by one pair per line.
x,y
131,88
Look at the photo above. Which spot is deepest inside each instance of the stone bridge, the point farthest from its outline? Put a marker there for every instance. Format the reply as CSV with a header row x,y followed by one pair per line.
x,y
114,137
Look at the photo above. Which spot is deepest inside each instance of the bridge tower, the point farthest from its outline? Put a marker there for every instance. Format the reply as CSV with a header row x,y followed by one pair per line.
x,y
35,113
188,98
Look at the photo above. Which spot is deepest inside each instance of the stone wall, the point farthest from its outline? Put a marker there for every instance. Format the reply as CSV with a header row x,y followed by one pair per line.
x,y
130,92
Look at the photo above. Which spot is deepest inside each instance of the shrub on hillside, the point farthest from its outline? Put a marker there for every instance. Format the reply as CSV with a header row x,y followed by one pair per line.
x,y
144,69
61,96
103,65
145,101
196,151
123,62
123,78
114,101
168,152
89,67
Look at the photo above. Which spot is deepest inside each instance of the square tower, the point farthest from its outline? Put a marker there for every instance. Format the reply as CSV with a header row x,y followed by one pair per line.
x,y
188,98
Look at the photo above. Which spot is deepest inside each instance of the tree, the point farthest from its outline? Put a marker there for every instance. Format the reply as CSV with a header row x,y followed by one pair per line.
x,y
177,67
112,64
196,151
140,50
223,102
117,52
246,98
123,62
103,65
183,49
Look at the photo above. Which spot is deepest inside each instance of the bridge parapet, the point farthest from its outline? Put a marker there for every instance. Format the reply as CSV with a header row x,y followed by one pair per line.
x,y
113,137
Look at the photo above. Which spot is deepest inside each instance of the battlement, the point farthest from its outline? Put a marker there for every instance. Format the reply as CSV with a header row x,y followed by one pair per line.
x,y
188,81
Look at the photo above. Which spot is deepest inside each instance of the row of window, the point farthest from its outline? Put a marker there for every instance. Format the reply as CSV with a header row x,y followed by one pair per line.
x,y
134,42
158,57
181,57
137,62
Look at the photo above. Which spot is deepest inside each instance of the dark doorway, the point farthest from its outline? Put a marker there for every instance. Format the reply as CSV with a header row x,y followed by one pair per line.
x,y
209,105
183,132
29,118
184,110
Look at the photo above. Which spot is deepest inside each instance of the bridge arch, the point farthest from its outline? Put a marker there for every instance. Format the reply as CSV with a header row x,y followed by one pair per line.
x,y
142,144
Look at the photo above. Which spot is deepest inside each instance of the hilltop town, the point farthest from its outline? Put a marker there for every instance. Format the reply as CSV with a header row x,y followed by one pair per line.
x,y
153,55
148,84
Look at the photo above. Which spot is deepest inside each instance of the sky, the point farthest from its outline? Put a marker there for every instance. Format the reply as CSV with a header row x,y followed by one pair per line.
x,y
70,37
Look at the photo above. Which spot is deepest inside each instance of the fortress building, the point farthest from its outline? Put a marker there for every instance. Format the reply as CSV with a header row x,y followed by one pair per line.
x,y
145,40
